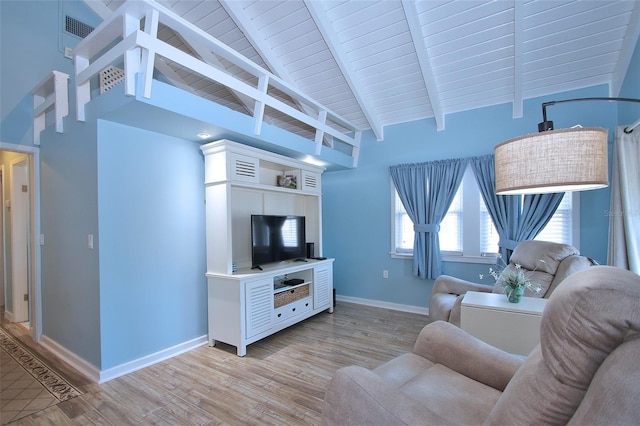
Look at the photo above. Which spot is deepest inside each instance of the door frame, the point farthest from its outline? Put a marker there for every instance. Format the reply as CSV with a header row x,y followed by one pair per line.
x,y
35,293
3,248
21,218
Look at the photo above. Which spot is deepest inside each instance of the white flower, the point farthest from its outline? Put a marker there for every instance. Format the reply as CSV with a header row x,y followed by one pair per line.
x,y
512,278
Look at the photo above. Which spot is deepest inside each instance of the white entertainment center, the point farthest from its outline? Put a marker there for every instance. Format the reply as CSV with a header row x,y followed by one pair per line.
x,y
245,304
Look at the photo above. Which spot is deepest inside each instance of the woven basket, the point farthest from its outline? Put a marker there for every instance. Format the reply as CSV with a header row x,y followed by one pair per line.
x,y
289,296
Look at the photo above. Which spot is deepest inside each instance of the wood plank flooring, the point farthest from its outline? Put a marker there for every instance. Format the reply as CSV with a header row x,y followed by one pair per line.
x,y
281,380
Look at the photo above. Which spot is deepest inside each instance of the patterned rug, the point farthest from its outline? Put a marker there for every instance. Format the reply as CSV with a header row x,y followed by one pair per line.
x,y
27,383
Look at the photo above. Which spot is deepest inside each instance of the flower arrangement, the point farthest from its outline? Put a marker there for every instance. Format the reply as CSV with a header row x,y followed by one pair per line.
x,y
514,280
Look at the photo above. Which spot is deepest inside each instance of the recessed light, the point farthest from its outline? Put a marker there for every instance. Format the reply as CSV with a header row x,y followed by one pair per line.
x,y
203,135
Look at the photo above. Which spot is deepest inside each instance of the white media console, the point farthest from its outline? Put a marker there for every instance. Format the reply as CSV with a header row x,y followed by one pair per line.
x,y
244,304
248,306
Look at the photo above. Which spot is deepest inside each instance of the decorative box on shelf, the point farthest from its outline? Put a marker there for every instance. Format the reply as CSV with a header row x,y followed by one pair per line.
x,y
289,295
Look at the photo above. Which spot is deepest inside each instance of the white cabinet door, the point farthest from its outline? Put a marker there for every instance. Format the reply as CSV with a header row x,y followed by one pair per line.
x,y
322,286
258,306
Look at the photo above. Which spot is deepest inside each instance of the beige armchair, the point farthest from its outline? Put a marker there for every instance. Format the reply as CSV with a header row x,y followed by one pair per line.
x,y
583,372
560,261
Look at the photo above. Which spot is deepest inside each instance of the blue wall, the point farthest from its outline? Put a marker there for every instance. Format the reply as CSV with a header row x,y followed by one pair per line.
x,y
142,288
630,112
153,289
68,214
357,203
32,44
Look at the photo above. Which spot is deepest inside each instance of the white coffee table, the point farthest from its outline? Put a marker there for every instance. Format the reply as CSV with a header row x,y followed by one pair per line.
x,y
513,327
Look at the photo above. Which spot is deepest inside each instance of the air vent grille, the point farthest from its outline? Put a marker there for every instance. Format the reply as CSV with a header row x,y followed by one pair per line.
x,y
109,77
310,181
77,28
245,168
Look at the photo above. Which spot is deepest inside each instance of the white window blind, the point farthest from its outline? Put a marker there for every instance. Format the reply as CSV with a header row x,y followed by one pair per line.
x,y
488,234
403,228
451,226
559,229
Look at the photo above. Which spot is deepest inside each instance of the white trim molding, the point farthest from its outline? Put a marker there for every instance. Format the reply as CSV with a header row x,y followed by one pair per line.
x,y
83,367
35,329
386,305
146,361
101,376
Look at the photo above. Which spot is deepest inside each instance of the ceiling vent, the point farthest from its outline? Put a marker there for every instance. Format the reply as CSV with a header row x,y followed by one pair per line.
x,y
77,28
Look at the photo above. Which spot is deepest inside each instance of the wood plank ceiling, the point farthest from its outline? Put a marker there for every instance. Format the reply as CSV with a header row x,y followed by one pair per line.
x,y
378,63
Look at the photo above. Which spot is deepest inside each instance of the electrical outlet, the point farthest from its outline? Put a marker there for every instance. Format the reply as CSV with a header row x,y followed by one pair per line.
x,y
67,53
385,273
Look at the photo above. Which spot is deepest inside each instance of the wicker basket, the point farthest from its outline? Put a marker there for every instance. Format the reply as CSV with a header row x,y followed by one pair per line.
x,y
289,296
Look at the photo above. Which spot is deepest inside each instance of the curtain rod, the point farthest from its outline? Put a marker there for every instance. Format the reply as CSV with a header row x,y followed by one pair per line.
x,y
629,129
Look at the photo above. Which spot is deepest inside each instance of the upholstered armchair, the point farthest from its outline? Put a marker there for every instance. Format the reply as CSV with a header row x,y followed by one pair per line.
x,y
559,261
583,372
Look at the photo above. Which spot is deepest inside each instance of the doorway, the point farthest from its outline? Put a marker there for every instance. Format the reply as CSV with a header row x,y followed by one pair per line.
x,y
19,213
20,227
3,268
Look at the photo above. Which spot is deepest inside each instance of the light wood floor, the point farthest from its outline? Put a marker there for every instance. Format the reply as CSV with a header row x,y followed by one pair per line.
x,y
281,380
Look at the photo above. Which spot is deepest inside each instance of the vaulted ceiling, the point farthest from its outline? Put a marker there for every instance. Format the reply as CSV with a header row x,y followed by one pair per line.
x,y
378,63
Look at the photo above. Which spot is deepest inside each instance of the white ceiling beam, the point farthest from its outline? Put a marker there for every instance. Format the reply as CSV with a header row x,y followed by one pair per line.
x,y
626,52
518,34
237,14
172,76
207,56
411,13
318,14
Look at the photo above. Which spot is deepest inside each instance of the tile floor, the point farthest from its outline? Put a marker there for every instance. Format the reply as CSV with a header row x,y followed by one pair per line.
x,y
20,393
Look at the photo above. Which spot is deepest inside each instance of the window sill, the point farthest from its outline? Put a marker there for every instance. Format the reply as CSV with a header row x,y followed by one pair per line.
x,y
487,260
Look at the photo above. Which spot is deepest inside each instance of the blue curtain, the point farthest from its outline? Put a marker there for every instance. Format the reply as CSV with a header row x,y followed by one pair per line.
x,y
515,220
426,191
537,211
503,209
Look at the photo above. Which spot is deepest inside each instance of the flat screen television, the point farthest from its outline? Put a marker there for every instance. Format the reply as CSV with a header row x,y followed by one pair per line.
x,y
277,238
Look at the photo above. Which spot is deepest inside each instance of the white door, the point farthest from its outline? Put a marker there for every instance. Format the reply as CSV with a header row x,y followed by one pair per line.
x,y
20,237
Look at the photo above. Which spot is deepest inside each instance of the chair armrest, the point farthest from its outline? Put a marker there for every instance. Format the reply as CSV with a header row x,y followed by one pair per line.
x,y
358,396
444,343
453,285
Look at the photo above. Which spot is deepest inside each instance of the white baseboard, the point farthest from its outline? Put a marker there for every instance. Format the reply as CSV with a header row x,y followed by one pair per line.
x,y
131,366
96,375
8,316
85,368
386,305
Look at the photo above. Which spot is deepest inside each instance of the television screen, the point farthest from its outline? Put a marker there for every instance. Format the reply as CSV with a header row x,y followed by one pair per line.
x,y
277,238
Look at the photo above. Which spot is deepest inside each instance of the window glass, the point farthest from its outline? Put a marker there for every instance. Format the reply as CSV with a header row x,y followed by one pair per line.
x,y
559,229
451,226
488,234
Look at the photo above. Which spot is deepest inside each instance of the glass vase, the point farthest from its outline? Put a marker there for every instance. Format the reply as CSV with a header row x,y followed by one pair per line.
x,y
514,295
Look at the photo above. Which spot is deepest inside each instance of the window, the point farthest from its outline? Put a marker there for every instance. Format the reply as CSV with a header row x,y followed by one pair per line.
x,y
490,238
451,226
560,227
467,233
403,235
